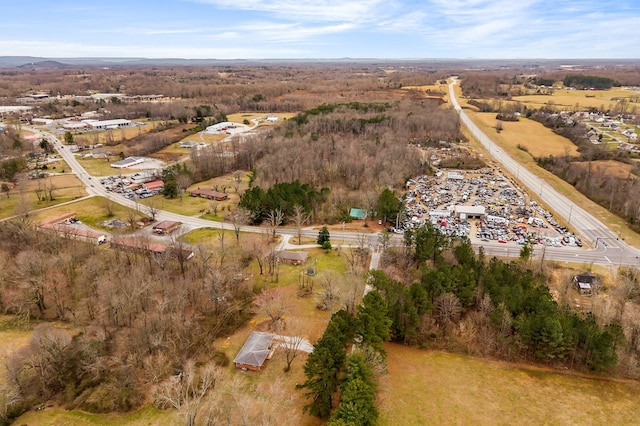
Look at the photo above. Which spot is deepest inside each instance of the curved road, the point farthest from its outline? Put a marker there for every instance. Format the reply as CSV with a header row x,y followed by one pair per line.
x,y
608,249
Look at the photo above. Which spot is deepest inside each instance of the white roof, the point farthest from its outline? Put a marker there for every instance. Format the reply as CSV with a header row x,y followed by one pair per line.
x,y
470,210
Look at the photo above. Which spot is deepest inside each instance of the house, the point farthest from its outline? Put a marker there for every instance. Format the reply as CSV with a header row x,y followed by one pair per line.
x,y
166,227
255,351
358,213
138,245
585,283
292,257
41,121
209,194
127,162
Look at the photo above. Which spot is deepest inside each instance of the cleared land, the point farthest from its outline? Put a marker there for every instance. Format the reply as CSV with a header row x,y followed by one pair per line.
x,y
428,387
578,99
537,139
23,197
91,211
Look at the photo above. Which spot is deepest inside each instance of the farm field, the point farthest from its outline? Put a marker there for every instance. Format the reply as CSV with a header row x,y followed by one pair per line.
x,y
431,387
537,139
578,99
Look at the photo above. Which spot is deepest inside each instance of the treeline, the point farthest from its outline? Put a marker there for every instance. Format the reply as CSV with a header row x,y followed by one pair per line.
x,y
580,81
283,197
490,307
141,317
341,383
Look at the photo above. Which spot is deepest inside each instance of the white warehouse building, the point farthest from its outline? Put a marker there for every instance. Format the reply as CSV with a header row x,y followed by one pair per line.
x,y
107,124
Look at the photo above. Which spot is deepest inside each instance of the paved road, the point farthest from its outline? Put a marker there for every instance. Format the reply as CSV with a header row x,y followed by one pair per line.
x,y
608,249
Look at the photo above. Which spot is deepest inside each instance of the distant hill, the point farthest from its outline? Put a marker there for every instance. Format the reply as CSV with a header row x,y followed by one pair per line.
x,y
46,64
470,63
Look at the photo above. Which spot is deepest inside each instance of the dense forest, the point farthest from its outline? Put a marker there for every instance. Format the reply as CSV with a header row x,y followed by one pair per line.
x,y
139,317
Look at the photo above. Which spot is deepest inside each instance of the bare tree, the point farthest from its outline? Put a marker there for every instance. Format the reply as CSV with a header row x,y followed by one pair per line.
x,y
299,218
448,308
109,207
273,303
274,220
330,293
292,343
153,208
9,398
238,217
186,390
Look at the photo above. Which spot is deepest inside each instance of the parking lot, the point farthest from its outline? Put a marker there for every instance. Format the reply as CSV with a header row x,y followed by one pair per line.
x,y
125,187
484,205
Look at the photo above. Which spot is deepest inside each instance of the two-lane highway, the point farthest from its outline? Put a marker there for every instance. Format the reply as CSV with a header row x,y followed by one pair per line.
x,y
610,247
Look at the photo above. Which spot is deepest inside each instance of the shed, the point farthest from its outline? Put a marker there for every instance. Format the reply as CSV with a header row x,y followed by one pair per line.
x,y
585,283
358,213
470,212
255,351
166,227
155,185
292,257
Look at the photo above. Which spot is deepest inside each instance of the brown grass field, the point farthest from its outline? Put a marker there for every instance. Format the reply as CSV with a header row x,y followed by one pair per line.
x,y
577,99
607,167
564,188
538,140
90,211
431,387
23,196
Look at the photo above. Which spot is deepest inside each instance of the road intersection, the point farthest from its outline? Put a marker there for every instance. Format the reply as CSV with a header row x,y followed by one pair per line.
x,y
608,250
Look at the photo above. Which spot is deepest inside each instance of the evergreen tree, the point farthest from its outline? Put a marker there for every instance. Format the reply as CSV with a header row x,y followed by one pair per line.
x,y
324,238
372,323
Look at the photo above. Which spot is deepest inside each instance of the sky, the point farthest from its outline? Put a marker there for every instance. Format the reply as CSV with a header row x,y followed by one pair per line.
x,y
296,29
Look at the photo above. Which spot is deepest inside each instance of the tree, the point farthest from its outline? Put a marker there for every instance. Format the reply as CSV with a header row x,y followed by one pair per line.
x,y
373,326
273,303
388,205
238,217
186,390
325,364
299,218
5,189
153,209
68,138
358,398
324,239
274,219
293,343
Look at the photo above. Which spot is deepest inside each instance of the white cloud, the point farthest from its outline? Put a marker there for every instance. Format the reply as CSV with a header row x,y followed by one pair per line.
x,y
310,10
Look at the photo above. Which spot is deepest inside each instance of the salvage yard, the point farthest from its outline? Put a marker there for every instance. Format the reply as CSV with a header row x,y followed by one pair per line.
x,y
483,205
